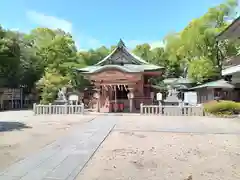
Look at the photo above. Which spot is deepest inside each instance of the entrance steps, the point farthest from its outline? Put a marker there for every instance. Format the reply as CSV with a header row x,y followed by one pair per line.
x,y
111,114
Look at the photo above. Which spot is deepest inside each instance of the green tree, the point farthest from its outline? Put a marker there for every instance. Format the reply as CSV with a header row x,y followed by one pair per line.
x,y
50,83
59,54
175,62
143,51
201,70
198,39
158,57
9,59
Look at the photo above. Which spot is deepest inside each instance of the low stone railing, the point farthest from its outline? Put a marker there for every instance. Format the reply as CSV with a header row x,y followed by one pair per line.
x,y
171,110
40,109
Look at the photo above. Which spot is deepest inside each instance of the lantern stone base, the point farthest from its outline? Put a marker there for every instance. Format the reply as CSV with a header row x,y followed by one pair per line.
x,y
60,102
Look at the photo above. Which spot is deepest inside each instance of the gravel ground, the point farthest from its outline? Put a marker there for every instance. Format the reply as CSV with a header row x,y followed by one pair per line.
x,y
154,156
21,133
151,148
139,147
179,124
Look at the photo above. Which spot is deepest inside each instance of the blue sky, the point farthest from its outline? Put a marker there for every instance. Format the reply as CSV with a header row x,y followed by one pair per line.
x,y
103,22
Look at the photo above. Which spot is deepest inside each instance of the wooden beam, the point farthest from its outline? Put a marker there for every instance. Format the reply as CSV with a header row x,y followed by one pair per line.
x,y
114,83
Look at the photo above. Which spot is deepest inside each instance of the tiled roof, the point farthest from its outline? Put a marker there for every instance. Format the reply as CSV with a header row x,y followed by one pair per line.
x,y
169,80
135,64
231,70
215,84
231,32
126,68
177,81
183,81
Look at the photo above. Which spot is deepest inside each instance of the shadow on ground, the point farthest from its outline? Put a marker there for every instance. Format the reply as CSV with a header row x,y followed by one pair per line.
x,y
11,126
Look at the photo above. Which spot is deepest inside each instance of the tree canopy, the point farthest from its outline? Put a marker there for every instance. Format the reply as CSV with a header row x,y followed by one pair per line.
x,y
45,58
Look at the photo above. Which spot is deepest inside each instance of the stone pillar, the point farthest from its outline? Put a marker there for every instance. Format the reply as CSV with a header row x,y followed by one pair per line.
x,y
130,97
97,96
115,98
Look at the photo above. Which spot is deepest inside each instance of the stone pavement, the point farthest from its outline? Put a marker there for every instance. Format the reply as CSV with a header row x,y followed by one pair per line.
x,y
66,157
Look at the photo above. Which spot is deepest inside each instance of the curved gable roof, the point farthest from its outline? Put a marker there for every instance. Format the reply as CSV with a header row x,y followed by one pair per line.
x,y
132,62
121,47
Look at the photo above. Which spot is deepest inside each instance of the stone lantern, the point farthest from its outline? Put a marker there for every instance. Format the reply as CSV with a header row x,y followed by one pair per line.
x,y
81,96
130,95
96,95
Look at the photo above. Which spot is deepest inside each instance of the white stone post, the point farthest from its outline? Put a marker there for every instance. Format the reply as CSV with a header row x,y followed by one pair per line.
x,y
115,102
50,108
160,107
141,108
97,96
34,109
159,98
66,108
82,108
130,97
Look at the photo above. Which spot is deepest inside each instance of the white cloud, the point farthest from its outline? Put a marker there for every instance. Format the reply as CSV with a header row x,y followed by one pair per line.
x,y
156,44
14,29
49,21
82,41
77,44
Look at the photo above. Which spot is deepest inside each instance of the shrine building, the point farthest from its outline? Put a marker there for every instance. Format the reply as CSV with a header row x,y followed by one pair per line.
x,y
121,81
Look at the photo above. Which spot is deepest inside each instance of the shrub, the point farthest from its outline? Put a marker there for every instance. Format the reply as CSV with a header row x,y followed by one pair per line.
x,y
222,108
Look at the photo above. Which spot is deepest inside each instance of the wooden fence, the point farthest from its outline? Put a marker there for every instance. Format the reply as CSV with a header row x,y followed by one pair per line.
x,y
171,110
40,109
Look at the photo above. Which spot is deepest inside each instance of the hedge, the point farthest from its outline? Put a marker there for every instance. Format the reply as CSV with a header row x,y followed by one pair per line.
x,y
222,108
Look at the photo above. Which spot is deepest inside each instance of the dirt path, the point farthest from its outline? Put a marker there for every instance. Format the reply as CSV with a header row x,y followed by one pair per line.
x,y
26,134
64,158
